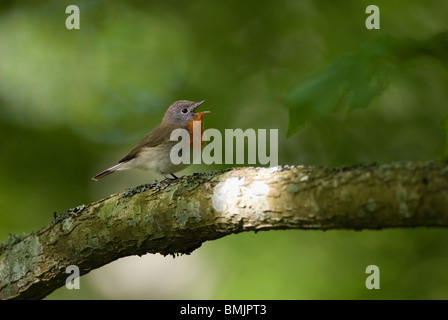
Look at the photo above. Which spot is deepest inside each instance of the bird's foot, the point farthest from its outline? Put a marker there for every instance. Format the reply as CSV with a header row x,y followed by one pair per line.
x,y
168,179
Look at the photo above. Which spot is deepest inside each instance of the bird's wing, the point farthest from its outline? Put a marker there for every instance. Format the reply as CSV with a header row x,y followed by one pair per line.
x,y
159,135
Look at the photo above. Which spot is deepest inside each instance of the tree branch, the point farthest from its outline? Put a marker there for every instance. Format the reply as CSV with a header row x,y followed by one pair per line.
x,y
177,218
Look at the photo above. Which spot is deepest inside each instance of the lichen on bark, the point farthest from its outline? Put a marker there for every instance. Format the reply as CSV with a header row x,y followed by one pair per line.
x,y
176,218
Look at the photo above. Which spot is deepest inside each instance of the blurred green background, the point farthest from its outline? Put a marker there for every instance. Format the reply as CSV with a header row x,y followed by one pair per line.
x,y
73,102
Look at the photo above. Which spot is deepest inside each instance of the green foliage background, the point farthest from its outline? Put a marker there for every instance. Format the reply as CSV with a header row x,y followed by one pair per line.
x,y
74,102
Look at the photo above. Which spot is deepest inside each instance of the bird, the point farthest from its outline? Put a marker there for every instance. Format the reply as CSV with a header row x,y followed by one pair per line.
x,y
153,151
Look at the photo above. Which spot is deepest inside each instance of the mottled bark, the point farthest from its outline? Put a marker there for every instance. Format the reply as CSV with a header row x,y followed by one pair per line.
x,y
177,218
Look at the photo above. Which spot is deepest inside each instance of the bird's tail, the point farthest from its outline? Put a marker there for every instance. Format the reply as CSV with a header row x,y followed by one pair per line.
x,y
107,172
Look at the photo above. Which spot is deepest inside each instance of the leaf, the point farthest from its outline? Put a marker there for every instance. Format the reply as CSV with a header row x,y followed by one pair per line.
x,y
351,82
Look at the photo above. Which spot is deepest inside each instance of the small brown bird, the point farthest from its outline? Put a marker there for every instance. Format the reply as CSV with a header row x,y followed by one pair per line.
x,y
153,152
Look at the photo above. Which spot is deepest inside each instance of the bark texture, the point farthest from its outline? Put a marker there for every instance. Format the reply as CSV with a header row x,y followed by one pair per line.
x,y
177,218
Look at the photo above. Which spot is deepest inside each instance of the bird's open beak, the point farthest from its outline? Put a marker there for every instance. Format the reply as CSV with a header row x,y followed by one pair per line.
x,y
197,104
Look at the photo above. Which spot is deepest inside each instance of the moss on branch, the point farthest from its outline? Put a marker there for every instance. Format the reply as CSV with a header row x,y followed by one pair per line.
x,y
177,218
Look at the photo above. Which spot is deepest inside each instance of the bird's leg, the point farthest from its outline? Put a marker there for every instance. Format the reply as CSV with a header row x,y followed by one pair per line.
x,y
168,179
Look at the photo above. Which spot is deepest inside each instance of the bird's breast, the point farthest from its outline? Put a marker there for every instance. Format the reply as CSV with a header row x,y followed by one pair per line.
x,y
196,140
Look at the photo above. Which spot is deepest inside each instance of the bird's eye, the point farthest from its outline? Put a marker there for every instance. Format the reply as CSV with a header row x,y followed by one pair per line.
x,y
184,110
